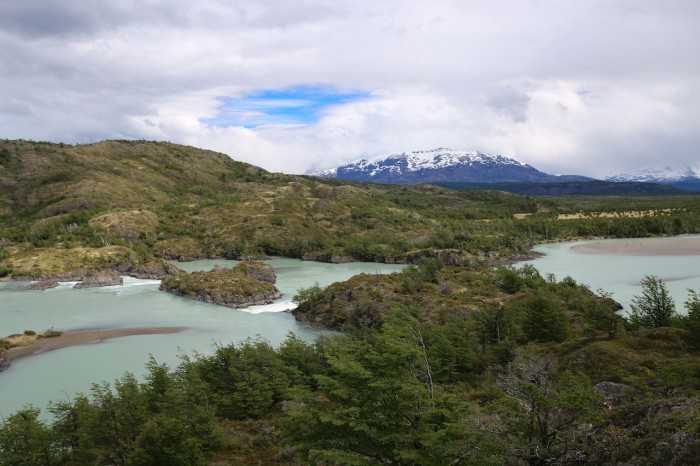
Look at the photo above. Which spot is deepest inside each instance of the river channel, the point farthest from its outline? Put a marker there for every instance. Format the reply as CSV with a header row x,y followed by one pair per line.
x,y
61,373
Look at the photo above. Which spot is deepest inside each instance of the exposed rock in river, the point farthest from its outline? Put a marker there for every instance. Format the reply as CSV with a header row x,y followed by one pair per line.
x,y
246,284
101,278
43,285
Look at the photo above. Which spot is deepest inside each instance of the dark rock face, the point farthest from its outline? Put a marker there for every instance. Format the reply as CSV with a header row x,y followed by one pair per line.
x,y
615,393
102,278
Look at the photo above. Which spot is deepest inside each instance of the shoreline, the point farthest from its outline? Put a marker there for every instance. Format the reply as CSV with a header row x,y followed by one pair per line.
x,y
656,246
75,338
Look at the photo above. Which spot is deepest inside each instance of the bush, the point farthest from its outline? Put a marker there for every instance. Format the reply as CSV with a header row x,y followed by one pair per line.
x,y
51,333
655,307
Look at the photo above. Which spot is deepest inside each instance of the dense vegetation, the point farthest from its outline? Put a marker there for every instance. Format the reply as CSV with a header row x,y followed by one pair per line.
x,y
452,361
579,188
484,366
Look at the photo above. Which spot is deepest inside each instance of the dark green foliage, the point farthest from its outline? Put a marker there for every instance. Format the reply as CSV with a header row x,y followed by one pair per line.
x,y
602,315
498,332
379,403
508,279
25,440
691,321
544,319
247,381
452,351
655,307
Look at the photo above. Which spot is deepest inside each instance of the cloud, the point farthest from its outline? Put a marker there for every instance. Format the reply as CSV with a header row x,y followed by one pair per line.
x,y
584,86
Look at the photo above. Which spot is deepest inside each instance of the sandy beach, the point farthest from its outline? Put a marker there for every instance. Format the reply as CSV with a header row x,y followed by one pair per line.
x,y
678,246
81,337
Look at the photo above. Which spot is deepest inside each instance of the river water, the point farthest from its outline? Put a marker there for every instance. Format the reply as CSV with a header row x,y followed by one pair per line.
x,y
61,373
620,274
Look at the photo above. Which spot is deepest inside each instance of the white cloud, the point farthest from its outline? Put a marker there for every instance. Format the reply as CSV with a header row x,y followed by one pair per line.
x,y
584,86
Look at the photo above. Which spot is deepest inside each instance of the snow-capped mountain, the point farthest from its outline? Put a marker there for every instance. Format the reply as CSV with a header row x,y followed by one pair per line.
x,y
442,165
658,175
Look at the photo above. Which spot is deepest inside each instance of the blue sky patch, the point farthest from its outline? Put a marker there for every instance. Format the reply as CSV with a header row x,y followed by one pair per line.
x,y
299,105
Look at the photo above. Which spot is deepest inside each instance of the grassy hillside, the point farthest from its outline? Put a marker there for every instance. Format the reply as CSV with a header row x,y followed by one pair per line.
x,y
93,206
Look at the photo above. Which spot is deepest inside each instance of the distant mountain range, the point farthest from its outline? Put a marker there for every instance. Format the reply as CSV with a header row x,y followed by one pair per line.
x,y
685,177
467,168
443,165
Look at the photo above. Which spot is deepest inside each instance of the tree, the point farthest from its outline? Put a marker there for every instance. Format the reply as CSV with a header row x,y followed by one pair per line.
x,y
655,307
379,404
691,321
544,318
543,412
25,440
602,314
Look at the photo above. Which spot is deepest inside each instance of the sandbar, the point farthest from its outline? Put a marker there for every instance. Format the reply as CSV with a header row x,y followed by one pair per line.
x,y
676,246
81,337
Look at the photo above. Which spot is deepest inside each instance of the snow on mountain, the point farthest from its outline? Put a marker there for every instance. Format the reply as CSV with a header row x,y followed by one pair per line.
x,y
440,165
666,174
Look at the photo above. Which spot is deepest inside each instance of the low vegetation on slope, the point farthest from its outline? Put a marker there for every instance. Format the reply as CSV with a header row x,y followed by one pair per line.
x,y
116,202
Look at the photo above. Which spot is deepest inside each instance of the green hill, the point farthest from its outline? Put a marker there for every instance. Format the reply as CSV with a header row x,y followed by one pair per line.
x,y
123,203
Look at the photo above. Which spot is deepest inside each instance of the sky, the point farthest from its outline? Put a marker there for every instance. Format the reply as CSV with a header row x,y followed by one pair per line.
x,y
587,87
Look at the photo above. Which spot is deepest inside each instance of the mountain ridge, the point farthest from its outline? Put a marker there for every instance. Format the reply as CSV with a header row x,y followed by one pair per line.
x,y
442,165
683,177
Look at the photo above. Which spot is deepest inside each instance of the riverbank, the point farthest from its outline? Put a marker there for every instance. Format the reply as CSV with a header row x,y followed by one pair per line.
x,y
78,337
673,246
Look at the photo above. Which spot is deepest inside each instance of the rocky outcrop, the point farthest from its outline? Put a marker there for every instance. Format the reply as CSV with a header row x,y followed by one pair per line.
x,y
246,284
43,285
99,279
149,271
258,270
615,393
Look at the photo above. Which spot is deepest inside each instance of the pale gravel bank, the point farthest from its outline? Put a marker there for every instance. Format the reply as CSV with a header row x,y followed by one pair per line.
x,y
675,246
81,337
